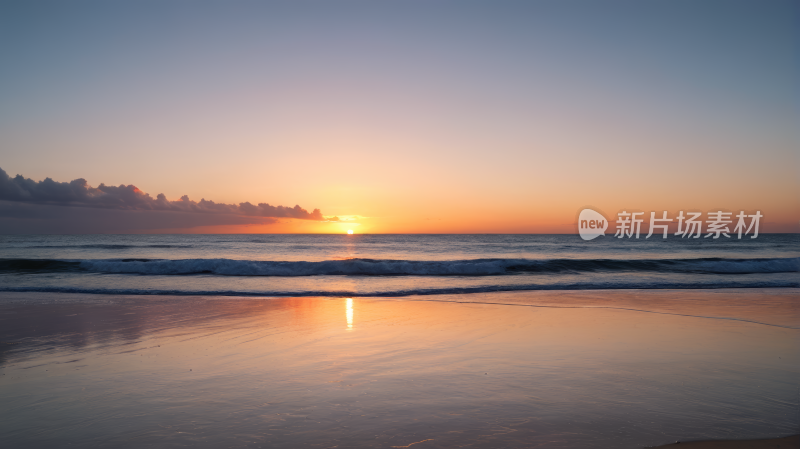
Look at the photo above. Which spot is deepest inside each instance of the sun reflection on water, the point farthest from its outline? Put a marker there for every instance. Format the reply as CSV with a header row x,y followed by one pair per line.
x,y
349,313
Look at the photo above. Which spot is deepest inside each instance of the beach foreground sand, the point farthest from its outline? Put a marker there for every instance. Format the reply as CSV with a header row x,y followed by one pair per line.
x,y
621,369
775,443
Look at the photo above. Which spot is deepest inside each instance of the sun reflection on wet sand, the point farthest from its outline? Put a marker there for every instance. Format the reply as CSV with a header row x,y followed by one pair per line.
x,y
417,373
349,313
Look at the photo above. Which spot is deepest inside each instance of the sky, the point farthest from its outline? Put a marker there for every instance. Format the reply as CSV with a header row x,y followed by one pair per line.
x,y
394,116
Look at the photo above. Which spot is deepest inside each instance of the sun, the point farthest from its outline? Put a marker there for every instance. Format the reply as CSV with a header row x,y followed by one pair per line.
x,y
350,231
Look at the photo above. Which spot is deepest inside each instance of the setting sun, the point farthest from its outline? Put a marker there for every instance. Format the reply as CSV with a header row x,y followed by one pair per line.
x,y
350,231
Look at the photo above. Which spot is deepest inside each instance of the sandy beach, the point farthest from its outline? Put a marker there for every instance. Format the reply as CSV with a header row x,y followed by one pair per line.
x,y
775,443
537,369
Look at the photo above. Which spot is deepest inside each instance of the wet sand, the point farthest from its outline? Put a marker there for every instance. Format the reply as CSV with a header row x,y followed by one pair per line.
x,y
536,369
775,443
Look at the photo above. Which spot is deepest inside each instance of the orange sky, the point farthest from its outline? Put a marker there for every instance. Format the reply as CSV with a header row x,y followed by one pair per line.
x,y
416,120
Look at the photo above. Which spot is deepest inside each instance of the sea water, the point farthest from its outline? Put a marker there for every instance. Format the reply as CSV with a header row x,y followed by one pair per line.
x,y
388,265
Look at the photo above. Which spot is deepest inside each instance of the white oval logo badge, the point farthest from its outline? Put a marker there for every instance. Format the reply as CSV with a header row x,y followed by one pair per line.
x,y
591,224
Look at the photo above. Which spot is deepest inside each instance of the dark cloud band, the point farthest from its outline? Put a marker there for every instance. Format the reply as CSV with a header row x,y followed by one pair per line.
x,y
79,193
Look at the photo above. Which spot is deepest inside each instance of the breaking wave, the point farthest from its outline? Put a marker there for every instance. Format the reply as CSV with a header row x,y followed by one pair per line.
x,y
378,267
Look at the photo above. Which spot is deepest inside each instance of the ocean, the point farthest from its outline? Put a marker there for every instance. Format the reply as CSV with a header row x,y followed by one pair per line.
x,y
387,265
396,341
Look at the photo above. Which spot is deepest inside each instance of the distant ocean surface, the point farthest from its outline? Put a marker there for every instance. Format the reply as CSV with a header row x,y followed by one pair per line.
x,y
388,265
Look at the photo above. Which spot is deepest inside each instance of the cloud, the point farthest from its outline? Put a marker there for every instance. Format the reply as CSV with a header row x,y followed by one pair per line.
x,y
80,194
28,218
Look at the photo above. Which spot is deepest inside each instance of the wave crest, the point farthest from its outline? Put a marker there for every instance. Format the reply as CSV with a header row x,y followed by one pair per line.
x,y
377,267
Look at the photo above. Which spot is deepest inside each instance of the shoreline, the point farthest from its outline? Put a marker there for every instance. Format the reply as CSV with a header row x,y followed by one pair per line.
x,y
688,287
756,306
